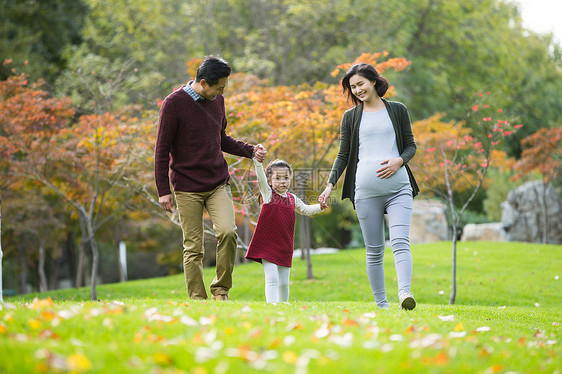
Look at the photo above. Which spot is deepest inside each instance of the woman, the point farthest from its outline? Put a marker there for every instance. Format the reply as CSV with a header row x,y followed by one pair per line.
x,y
376,144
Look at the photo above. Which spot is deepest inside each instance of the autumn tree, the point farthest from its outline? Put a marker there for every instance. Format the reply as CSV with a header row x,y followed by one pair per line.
x,y
542,152
454,157
30,119
81,162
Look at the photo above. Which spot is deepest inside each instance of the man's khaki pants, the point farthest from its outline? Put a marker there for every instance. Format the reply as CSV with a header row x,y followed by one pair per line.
x,y
220,207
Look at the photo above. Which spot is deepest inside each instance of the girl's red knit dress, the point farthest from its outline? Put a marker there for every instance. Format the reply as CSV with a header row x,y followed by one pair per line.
x,y
274,236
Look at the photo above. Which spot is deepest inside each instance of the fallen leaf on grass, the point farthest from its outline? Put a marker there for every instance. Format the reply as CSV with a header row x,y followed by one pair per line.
x,y
160,317
457,334
8,317
459,327
205,321
289,339
48,334
275,343
39,304
78,362
349,322
66,314
204,354
8,306
294,326
34,324
3,329
410,329
48,315
441,359
322,332
162,359
256,332
430,340
343,341
188,321
49,361
290,357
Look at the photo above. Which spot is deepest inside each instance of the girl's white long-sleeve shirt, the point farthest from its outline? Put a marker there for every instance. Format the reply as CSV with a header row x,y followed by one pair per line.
x,y
265,191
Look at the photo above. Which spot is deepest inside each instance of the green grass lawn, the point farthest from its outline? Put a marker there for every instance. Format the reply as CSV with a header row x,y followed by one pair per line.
x,y
506,320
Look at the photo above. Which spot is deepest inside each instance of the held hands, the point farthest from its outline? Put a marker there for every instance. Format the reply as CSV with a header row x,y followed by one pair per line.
x,y
167,202
323,198
259,153
390,167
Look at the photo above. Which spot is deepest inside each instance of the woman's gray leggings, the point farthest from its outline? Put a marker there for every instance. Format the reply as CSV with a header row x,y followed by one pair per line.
x,y
370,212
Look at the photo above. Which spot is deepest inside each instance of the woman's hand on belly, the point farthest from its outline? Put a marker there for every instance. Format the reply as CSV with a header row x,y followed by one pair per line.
x,y
390,167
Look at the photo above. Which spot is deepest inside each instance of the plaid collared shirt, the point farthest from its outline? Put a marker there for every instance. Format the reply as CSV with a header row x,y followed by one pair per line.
x,y
191,92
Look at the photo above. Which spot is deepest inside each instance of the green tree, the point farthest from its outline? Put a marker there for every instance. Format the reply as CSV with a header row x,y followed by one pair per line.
x,y
460,48
34,34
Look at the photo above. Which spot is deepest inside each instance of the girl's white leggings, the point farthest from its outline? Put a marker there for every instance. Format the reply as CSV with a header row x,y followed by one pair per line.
x,y
276,282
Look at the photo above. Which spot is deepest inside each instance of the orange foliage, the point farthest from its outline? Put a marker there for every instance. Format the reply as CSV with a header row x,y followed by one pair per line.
x,y
192,66
30,119
542,153
39,141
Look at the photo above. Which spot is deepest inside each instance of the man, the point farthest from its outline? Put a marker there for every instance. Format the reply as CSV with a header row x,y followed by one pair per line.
x,y
189,148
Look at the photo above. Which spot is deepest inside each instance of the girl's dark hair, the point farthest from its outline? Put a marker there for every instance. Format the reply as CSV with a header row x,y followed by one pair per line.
x,y
277,164
212,69
366,71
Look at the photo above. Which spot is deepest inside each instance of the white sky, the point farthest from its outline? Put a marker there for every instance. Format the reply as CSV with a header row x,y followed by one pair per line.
x,y
542,16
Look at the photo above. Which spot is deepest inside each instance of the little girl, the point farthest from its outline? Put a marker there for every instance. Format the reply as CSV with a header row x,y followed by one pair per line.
x,y
273,240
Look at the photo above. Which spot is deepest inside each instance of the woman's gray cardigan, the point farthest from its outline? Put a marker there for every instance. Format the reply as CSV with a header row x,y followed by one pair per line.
x,y
348,155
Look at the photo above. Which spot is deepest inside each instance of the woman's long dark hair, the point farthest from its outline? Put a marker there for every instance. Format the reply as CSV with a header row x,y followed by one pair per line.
x,y
366,71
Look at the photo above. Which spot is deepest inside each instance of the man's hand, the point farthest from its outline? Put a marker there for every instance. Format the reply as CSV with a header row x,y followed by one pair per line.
x,y
260,152
167,202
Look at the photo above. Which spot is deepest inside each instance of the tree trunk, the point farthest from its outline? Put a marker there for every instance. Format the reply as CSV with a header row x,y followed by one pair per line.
x,y
23,270
81,254
1,253
454,272
304,235
309,274
43,286
305,244
302,240
95,258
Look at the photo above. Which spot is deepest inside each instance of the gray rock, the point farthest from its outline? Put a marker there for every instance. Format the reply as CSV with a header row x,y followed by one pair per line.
x,y
523,214
493,232
429,222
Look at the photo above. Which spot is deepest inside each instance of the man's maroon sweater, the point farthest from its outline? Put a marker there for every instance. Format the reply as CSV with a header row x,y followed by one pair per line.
x,y
190,141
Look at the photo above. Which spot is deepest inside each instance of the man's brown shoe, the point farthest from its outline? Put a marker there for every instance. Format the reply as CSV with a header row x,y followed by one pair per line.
x,y
220,297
